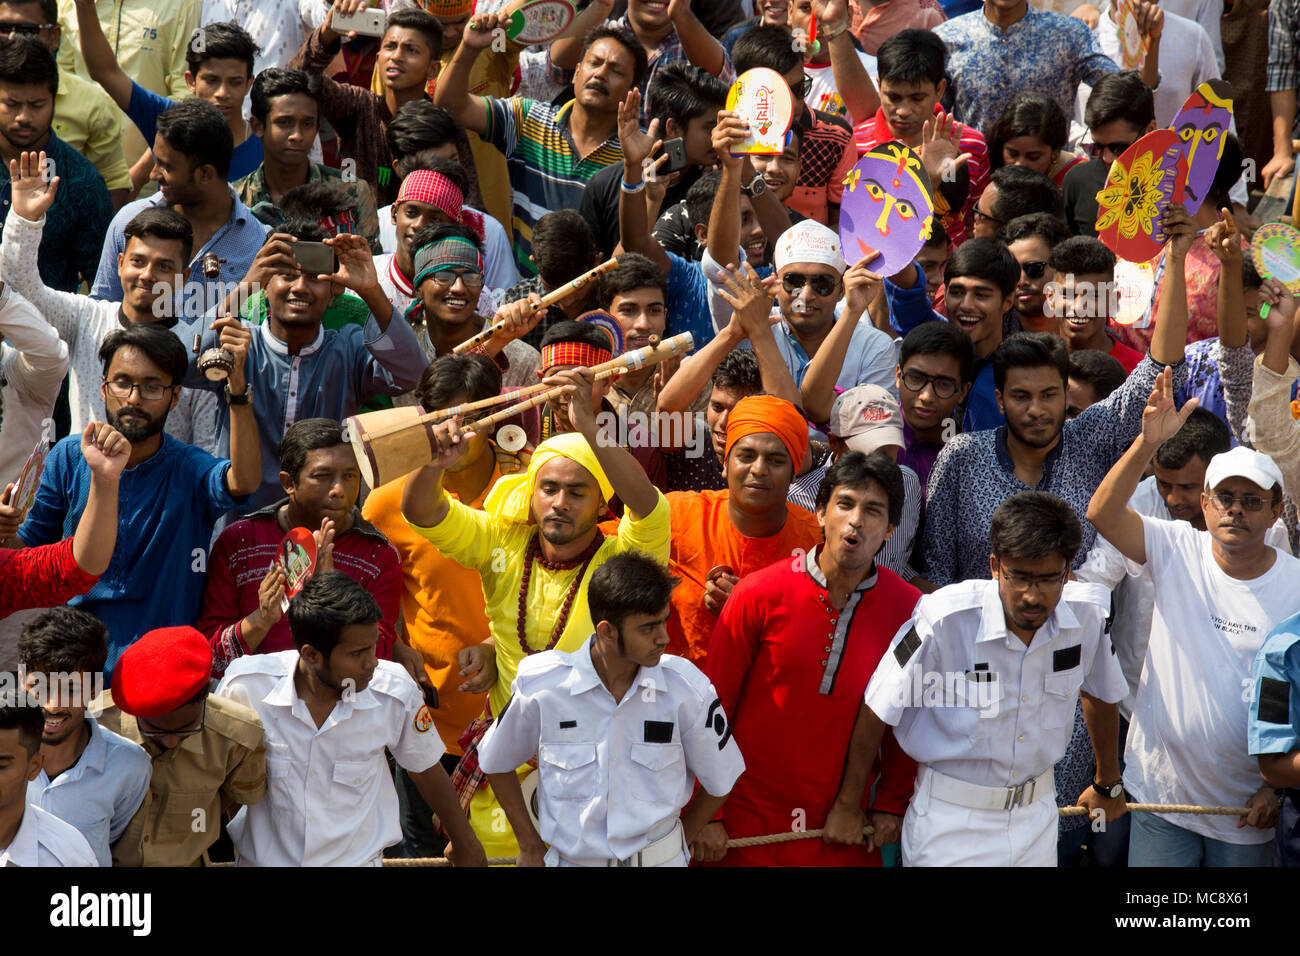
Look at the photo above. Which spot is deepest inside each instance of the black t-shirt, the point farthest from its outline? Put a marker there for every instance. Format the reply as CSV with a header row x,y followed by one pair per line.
x,y
599,204
676,232
1079,191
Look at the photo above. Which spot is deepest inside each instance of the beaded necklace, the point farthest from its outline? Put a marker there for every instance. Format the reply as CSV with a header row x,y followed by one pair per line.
x,y
534,553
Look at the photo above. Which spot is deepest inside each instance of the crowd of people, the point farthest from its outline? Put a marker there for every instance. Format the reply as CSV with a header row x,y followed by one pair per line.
x,y
916,561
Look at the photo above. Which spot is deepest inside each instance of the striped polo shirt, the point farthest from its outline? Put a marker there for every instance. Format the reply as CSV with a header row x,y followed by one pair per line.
x,y
546,172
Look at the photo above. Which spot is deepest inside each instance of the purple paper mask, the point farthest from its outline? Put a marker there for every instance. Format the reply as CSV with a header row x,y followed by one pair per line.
x,y
886,207
1202,125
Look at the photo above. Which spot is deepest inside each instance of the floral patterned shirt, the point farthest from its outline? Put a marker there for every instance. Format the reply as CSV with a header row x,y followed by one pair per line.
x,y
1044,52
1220,379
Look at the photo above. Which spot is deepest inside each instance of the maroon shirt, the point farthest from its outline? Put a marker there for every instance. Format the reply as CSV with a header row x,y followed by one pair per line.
x,y
244,553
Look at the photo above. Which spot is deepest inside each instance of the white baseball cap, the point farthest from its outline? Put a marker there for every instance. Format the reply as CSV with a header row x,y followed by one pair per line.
x,y
1243,462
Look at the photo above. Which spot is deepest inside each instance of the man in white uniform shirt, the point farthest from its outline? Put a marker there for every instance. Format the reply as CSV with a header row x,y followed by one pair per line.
x,y
29,836
329,709
981,687
622,730
1218,594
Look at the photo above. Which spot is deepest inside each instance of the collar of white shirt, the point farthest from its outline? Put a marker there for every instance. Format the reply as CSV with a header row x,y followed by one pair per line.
x,y
23,850
285,694
584,676
994,624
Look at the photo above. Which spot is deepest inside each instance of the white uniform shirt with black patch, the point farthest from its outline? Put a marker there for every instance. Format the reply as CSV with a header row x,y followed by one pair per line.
x,y
330,799
969,698
614,775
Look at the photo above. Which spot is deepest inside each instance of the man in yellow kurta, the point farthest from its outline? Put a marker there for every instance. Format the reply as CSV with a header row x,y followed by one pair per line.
x,y
535,546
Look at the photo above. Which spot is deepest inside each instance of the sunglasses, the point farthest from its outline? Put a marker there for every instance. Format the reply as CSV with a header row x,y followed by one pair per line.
x,y
803,89
1248,502
24,29
1095,150
982,215
1033,270
822,284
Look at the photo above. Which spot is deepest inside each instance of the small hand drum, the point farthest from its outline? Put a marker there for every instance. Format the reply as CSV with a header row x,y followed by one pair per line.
x,y
216,364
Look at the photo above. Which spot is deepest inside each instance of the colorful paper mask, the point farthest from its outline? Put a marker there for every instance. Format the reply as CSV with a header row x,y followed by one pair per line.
x,y
887,207
1275,251
1132,44
763,97
1202,126
538,21
1142,183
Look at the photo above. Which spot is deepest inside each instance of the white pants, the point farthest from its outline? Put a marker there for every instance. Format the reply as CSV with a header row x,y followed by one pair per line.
x,y
937,833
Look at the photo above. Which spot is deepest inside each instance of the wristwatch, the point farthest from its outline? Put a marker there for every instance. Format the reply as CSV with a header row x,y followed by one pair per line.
x,y
755,187
243,398
1111,791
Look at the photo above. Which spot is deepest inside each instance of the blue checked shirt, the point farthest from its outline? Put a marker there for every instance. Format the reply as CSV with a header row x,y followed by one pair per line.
x,y
1044,52
668,51
237,242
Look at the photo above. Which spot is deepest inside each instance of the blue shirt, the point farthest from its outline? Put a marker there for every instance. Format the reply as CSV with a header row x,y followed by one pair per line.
x,y
330,378
1045,52
1275,705
909,308
167,507
101,792
75,224
687,301
237,242
975,473
145,108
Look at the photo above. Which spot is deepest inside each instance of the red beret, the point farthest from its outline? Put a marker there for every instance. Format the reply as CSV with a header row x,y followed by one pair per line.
x,y
161,671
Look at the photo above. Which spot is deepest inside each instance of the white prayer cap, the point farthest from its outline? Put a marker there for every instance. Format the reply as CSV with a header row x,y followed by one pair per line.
x,y
809,241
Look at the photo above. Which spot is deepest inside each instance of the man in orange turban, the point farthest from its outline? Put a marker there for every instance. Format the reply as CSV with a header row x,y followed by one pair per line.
x,y
720,536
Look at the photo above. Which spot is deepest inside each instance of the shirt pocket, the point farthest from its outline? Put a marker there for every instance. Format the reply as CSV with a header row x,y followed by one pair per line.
x,y
353,775
658,774
188,811
1059,691
279,765
983,702
568,771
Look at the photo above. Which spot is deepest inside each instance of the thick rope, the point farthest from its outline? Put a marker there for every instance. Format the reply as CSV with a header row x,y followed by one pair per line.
x,y
741,842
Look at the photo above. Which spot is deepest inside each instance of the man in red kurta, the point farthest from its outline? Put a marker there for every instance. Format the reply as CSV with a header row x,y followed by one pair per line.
x,y
719,537
791,657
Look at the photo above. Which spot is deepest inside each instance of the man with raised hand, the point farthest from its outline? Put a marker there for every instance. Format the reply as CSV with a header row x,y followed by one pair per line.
x,y
1218,594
